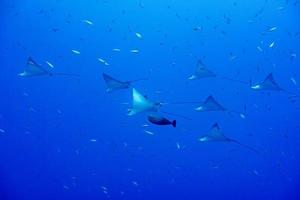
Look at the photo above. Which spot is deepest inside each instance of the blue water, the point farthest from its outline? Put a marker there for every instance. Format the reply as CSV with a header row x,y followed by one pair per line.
x,y
66,138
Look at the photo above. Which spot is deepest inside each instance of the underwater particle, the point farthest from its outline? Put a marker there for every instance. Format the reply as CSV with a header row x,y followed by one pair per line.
x,y
280,8
145,125
134,51
149,132
75,51
116,50
255,172
93,140
135,183
293,56
138,35
272,45
49,64
87,22
66,187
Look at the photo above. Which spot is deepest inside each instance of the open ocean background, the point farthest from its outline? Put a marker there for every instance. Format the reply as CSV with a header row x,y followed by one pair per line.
x,y
66,138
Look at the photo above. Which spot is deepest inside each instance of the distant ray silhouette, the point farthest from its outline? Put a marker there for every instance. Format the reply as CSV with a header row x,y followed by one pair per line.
x,y
141,104
113,84
203,72
34,69
216,135
210,104
268,84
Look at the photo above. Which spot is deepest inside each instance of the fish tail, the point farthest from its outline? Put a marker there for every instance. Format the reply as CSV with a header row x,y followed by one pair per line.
x,y
174,123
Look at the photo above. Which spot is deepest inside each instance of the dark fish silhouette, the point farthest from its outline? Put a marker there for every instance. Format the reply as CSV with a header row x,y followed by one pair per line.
x,y
159,120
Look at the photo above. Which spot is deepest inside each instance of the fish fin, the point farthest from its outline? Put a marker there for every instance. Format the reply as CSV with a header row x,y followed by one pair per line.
x,y
174,123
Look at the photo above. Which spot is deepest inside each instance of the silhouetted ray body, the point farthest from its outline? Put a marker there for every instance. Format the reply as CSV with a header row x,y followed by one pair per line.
x,y
141,104
34,69
269,84
216,135
113,84
210,104
203,72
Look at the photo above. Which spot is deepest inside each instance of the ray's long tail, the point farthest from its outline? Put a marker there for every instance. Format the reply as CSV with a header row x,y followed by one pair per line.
x,y
245,146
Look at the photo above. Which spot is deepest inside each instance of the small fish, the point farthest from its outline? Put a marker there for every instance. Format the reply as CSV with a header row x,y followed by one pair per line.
x,y
198,28
87,22
76,51
117,50
2,130
103,61
294,81
259,49
178,145
145,125
272,29
134,51
272,45
149,132
138,35
50,65
159,120
93,140
242,115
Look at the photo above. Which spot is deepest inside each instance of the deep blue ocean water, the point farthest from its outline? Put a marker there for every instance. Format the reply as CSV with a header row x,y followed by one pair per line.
x,y
67,138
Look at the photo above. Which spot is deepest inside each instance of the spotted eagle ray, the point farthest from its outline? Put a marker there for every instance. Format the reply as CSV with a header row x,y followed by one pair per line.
x,y
203,72
34,69
216,135
142,104
268,83
113,84
210,104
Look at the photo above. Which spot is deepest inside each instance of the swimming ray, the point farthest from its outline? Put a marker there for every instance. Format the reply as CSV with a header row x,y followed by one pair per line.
x,y
269,84
210,104
141,104
203,72
34,69
113,84
216,135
